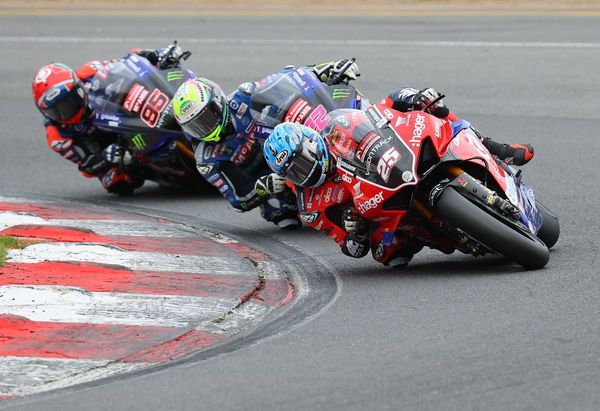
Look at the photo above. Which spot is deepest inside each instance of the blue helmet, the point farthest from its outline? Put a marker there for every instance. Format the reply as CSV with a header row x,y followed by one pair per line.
x,y
297,153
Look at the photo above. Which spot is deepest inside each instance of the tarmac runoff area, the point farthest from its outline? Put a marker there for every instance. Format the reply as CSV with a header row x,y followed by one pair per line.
x,y
108,292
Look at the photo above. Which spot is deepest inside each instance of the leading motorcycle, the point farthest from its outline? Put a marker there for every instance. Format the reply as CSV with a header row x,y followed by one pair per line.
x,y
433,179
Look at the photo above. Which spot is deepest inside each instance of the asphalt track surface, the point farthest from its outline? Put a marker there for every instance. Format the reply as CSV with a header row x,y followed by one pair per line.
x,y
450,332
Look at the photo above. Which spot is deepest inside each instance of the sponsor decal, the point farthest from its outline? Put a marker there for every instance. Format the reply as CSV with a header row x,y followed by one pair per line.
x,y
138,142
136,96
374,113
298,77
218,182
241,110
341,93
387,162
130,62
175,75
365,145
244,151
108,178
415,141
376,147
357,191
344,165
340,195
223,189
400,120
208,152
382,122
298,111
51,95
59,145
186,107
320,225
281,158
343,121
109,117
328,195
346,178
371,203
205,169
309,217
43,75
209,168
301,196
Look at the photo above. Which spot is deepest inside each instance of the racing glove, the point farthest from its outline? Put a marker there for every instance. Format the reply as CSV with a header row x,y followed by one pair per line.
x,y
116,154
269,185
326,71
423,99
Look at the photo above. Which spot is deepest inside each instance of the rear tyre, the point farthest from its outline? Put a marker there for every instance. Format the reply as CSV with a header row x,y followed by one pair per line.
x,y
550,229
527,250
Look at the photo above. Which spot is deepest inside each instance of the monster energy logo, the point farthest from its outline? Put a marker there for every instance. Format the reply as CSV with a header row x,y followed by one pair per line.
x,y
341,93
139,142
175,75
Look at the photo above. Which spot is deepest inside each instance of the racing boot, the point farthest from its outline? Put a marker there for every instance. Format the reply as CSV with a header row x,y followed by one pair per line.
x,y
517,154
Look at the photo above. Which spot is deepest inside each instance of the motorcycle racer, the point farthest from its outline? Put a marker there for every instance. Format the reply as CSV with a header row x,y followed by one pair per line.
x,y
227,133
61,95
300,155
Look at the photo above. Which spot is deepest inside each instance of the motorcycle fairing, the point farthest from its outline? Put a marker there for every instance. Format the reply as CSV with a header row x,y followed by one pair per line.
x,y
297,95
133,98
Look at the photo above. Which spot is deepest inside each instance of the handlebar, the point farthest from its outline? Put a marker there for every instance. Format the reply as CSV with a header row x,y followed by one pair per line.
x,y
431,103
335,79
172,55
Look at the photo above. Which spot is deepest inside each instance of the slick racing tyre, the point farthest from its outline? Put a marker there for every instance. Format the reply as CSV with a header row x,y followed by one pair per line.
x,y
525,249
550,229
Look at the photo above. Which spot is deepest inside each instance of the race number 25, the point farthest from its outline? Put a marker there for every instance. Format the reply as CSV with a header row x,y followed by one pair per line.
x,y
155,105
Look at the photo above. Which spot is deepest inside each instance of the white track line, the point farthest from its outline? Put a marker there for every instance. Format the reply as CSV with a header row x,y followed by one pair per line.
x,y
76,305
305,42
133,260
29,375
22,371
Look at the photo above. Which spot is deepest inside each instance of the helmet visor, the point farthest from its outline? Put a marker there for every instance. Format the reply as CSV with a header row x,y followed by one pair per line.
x,y
67,107
205,125
306,168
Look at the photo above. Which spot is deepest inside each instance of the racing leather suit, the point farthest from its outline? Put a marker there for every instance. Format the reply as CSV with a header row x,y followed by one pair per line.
x,y
235,163
83,143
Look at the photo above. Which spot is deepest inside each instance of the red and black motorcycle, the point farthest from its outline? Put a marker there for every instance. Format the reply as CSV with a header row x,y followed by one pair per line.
x,y
433,179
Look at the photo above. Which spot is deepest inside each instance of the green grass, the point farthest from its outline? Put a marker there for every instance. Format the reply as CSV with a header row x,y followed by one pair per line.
x,y
10,242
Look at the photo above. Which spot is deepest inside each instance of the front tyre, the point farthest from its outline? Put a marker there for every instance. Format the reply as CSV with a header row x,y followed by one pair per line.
x,y
527,250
